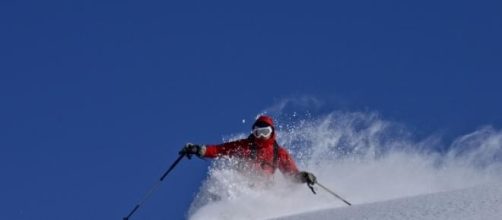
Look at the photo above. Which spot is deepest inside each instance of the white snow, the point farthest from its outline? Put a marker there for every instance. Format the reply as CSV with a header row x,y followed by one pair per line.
x,y
478,203
377,165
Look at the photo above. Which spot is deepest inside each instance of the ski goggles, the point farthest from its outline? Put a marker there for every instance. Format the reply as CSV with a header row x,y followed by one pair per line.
x,y
262,131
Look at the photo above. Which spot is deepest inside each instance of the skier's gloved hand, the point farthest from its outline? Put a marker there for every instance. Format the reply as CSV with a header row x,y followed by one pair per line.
x,y
193,149
306,177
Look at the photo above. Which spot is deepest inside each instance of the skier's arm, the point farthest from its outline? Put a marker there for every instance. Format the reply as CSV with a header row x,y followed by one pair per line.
x,y
286,163
288,166
225,149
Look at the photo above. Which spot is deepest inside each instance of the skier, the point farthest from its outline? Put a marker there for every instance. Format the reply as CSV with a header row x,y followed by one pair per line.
x,y
260,149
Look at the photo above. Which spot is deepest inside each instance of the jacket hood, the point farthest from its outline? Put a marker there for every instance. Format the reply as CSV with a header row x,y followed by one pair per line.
x,y
264,119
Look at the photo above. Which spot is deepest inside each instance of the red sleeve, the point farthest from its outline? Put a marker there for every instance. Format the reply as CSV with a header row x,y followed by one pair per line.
x,y
286,163
225,149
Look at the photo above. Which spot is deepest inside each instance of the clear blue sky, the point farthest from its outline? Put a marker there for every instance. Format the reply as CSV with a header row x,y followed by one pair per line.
x,y
97,97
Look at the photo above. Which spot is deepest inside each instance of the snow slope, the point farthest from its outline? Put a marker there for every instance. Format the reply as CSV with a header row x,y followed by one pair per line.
x,y
478,203
366,160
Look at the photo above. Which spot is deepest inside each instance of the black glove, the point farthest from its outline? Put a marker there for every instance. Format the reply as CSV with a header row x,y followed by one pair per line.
x,y
306,177
191,149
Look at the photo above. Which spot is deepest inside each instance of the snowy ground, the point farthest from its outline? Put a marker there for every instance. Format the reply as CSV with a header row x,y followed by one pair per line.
x,y
375,164
482,202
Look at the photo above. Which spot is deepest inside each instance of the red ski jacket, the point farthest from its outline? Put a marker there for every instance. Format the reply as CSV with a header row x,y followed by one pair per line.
x,y
265,155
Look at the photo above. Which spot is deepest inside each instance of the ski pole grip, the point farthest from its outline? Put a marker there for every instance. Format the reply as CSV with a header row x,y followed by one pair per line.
x,y
312,188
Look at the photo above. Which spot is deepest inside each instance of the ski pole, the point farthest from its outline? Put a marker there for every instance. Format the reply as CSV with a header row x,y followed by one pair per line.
x,y
154,187
332,193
